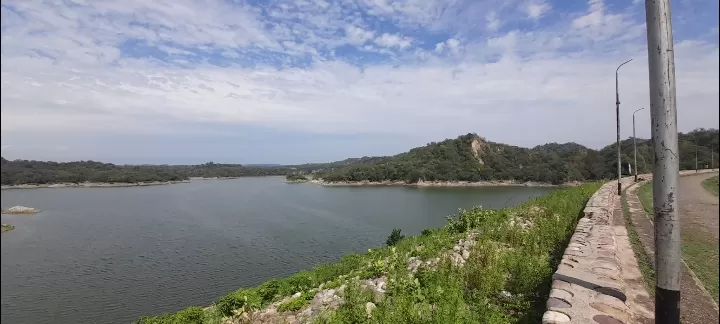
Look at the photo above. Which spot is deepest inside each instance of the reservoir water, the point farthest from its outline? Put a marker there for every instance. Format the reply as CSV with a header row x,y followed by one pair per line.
x,y
109,255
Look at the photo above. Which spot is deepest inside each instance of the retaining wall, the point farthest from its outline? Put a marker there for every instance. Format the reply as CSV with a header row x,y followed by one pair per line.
x,y
588,285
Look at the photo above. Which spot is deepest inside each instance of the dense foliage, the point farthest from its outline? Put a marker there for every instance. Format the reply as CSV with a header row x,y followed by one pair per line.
x,y
457,160
394,237
40,172
449,160
506,278
295,177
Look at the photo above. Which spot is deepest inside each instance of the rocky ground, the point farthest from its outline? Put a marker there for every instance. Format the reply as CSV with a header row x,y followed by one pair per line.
x,y
326,299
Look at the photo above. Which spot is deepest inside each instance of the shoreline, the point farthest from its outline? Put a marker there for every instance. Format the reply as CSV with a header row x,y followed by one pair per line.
x,y
495,183
92,185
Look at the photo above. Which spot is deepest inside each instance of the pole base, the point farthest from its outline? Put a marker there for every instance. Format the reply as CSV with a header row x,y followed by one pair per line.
x,y
619,189
667,306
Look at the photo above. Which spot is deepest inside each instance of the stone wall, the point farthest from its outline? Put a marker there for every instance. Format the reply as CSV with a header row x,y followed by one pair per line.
x,y
588,285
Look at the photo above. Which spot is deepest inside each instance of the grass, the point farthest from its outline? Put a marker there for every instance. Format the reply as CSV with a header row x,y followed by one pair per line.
x,y
506,279
643,259
699,252
711,184
7,228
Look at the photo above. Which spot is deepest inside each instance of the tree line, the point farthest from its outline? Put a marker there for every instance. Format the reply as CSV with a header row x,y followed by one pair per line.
x,y
457,160
42,172
466,158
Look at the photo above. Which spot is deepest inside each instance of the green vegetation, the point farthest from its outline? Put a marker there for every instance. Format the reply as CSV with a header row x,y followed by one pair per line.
x,y
711,184
6,228
394,237
472,158
39,172
700,252
701,255
466,158
643,259
506,279
645,194
295,178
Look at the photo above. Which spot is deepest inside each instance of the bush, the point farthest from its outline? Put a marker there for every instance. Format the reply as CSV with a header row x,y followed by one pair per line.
x,y
296,303
242,300
426,232
190,315
268,290
394,237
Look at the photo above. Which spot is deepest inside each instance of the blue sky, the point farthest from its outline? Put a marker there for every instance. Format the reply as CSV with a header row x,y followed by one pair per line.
x,y
137,81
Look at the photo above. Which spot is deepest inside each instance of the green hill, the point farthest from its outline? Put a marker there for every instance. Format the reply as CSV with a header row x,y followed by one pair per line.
x,y
466,158
472,158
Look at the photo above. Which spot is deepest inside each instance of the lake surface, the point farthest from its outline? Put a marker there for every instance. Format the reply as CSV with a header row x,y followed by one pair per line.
x,y
109,255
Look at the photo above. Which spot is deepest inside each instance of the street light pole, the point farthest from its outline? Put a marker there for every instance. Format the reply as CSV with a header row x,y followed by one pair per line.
x,y
617,115
666,169
635,144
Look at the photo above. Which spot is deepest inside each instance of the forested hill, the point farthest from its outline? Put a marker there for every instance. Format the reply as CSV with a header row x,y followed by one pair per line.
x,y
40,172
466,158
472,158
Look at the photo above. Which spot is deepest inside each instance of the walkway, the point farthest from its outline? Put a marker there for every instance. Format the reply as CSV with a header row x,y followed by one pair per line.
x,y
696,306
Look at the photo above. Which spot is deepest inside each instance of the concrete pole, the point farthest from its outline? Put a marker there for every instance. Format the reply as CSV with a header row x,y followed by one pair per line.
x,y
635,144
663,111
617,115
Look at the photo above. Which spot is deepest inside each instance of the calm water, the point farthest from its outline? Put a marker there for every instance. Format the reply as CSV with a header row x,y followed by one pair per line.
x,y
108,255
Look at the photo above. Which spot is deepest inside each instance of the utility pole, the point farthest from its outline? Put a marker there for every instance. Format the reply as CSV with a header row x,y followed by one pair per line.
x,y
635,144
617,115
663,112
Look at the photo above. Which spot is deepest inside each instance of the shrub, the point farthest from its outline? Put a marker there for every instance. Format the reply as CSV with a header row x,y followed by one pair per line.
x,y
268,290
190,315
426,232
394,237
242,300
296,303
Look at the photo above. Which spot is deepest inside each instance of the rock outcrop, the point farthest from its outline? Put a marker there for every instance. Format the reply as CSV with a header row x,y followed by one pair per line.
x,y
20,210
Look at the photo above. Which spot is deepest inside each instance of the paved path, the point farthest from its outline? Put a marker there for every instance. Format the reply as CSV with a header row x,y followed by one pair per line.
x,y
696,306
698,208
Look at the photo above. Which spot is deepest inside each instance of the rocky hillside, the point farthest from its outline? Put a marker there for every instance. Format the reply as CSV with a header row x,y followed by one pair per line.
x,y
471,158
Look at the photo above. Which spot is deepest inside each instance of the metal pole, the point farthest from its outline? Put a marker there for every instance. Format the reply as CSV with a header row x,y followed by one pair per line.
x,y
617,115
663,111
635,144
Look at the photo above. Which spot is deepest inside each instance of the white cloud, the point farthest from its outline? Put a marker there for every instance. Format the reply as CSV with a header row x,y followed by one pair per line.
x,y
536,8
501,85
357,35
452,45
393,40
493,23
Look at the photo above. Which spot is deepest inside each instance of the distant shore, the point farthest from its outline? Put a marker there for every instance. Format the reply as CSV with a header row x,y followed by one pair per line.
x,y
93,185
111,185
496,183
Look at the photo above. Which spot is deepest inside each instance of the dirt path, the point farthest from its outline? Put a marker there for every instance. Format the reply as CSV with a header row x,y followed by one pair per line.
x,y
696,307
698,208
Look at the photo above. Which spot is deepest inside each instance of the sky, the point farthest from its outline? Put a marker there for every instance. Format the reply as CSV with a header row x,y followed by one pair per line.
x,y
178,81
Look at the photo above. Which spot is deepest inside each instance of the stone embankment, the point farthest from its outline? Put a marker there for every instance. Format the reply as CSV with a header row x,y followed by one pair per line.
x,y
589,285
